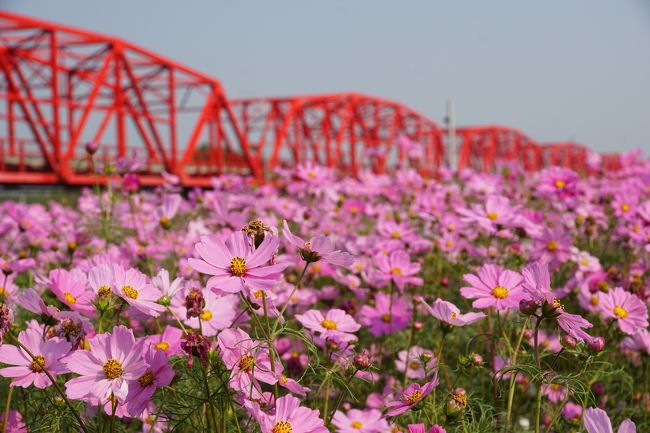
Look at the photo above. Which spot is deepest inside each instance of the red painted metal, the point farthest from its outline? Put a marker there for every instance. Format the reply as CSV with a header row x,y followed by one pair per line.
x,y
349,131
61,87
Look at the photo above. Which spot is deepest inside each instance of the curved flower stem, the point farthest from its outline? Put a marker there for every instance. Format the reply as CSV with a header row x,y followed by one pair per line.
x,y
339,401
5,419
211,414
269,341
327,397
82,426
410,342
293,292
113,407
511,391
538,403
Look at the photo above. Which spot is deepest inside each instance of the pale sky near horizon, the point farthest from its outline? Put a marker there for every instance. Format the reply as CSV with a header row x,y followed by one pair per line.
x,y
558,70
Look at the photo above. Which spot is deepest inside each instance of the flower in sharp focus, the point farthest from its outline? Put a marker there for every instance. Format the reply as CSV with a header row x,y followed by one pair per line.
x,y
290,417
398,268
25,370
494,287
70,288
360,421
411,396
134,288
113,360
234,263
158,374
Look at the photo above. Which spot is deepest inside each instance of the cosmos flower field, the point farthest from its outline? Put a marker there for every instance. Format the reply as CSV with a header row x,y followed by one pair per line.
x,y
506,302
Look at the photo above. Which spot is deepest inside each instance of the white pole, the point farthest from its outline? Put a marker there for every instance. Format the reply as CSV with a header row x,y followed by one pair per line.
x,y
451,135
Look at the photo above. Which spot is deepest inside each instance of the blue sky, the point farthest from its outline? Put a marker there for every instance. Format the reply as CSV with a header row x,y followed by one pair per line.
x,y
556,69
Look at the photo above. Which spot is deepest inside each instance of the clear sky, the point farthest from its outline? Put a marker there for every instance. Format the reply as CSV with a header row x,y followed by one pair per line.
x,y
556,69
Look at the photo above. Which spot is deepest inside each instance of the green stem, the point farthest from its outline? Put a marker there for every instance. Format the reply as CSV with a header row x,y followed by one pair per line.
x,y
513,362
293,292
113,407
5,419
339,401
82,426
327,398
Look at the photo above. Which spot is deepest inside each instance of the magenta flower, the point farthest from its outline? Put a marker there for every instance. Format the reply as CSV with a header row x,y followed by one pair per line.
x,y
537,283
235,263
218,313
494,287
14,423
134,288
411,396
382,319
70,288
290,417
318,248
336,324
246,357
105,369
413,362
557,182
574,325
31,301
554,392
27,371
397,267
360,421
420,428
572,412
596,421
553,247
628,310
497,214
169,342
158,374
448,313
164,214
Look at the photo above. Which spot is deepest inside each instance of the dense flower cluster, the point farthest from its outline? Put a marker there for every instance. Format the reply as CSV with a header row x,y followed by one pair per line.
x,y
476,302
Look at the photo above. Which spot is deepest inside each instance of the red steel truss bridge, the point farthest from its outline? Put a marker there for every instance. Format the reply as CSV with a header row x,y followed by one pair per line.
x,y
61,87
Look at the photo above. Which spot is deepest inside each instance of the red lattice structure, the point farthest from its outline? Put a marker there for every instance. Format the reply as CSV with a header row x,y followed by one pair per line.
x,y
61,87
348,131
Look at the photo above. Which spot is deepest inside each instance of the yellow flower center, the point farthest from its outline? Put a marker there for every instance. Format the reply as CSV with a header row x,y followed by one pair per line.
x,y
356,425
560,184
37,362
246,363
146,379
206,315
308,245
72,245
413,397
500,292
414,365
112,368
163,345
69,298
625,207
104,291
130,292
164,221
283,426
453,315
3,292
385,318
620,312
284,379
557,304
594,300
312,175
551,246
260,294
492,216
396,271
237,266
395,235
328,324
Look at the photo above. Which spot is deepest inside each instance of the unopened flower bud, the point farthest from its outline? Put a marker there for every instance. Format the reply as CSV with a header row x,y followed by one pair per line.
x,y
598,388
527,307
569,342
477,360
92,147
528,334
362,360
597,344
256,229
418,326
444,282
6,317
194,303
426,356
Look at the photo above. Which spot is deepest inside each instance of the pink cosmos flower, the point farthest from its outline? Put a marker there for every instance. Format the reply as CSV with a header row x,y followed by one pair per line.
x,y
293,386
360,421
246,357
168,342
554,392
31,301
105,369
70,288
235,263
218,313
628,310
537,283
397,267
100,279
164,214
419,428
318,248
15,422
497,213
336,324
167,288
382,319
552,246
557,182
26,371
412,362
572,412
494,287
289,416
596,421
158,374
411,396
133,287
448,313
639,342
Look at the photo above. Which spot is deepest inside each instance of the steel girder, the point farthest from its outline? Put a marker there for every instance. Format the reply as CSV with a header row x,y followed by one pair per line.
x,y
62,87
348,131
